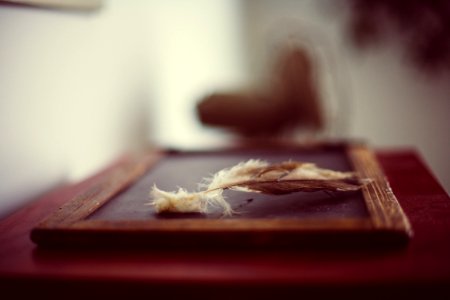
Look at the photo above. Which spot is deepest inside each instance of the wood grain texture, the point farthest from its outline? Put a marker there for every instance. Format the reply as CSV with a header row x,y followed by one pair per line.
x,y
386,216
87,202
228,225
381,202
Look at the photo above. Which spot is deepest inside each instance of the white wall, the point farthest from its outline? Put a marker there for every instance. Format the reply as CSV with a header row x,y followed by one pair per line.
x,y
196,50
78,89
69,83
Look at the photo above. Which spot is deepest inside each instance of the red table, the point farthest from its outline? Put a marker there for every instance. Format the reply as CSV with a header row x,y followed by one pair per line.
x,y
421,268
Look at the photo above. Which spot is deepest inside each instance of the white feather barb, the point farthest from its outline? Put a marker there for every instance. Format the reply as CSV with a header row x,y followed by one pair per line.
x,y
254,176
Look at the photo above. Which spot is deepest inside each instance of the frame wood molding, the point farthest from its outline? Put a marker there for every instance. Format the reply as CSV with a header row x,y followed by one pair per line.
x,y
68,225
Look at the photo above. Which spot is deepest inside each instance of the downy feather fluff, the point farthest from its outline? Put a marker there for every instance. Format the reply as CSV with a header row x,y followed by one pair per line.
x,y
254,176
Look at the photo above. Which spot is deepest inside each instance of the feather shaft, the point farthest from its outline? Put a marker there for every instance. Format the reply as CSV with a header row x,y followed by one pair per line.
x,y
255,176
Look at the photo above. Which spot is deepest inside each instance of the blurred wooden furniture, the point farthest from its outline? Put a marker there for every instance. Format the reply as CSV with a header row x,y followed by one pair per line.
x,y
420,269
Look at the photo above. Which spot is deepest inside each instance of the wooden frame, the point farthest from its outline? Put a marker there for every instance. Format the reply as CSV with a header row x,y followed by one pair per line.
x,y
69,224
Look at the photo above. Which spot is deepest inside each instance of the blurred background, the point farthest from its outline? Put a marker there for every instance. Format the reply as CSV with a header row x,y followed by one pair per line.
x,y
79,87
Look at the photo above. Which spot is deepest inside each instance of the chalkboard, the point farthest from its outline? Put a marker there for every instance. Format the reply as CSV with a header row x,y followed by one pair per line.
x,y
115,213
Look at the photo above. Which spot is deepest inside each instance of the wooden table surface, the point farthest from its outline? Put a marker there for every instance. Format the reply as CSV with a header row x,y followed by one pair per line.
x,y
420,268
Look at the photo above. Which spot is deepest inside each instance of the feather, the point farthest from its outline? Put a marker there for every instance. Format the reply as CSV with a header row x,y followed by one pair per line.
x,y
243,171
182,201
255,176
